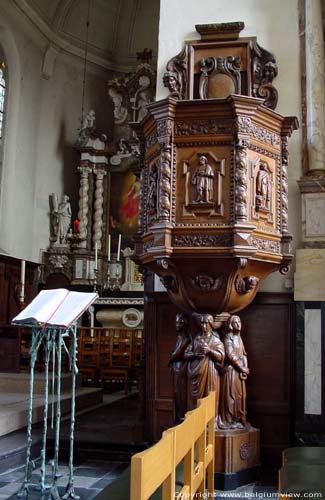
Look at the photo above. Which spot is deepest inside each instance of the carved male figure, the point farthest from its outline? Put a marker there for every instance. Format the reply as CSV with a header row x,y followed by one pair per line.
x,y
263,187
178,367
203,181
205,358
232,411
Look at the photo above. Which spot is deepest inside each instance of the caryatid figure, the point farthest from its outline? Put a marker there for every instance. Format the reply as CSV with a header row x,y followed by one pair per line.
x,y
205,358
178,367
232,411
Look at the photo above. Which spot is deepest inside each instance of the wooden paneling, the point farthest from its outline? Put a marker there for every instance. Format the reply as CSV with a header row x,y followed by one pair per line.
x,y
268,338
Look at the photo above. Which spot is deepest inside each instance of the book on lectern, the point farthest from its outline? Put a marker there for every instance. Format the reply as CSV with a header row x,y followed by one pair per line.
x,y
58,307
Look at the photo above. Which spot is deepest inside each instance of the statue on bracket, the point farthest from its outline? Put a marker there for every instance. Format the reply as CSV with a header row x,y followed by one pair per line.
x,y
60,220
232,409
178,367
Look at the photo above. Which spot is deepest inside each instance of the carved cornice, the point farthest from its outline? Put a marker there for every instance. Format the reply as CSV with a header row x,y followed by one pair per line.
x,y
220,31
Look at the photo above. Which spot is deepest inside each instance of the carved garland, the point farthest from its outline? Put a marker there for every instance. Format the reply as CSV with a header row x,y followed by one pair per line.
x,y
165,183
241,181
201,127
266,245
204,240
284,186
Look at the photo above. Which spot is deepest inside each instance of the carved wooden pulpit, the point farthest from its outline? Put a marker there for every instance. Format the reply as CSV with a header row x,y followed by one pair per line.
x,y
214,212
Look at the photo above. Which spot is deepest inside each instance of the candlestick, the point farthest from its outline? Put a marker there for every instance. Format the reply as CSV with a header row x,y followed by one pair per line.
x,y
109,248
119,247
96,256
22,280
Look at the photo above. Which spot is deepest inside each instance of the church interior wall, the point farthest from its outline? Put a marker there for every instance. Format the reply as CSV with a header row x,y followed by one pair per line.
x,y
44,112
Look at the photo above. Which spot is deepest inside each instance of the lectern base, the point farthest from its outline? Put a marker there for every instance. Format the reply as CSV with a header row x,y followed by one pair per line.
x,y
237,457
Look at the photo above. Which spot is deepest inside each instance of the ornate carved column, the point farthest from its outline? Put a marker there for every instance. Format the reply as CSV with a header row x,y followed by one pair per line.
x,y
98,208
315,77
83,206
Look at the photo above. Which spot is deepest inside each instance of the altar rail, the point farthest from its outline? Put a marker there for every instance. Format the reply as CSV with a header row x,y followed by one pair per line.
x,y
186,450
109,354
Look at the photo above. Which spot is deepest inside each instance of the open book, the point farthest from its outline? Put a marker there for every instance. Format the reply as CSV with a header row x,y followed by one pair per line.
x,y
59,307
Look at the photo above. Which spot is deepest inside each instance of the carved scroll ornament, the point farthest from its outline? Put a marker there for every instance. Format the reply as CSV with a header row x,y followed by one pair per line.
x,y
175,76
229,66
265,70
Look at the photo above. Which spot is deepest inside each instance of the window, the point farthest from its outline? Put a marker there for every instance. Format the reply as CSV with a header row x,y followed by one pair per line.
x,y
2,96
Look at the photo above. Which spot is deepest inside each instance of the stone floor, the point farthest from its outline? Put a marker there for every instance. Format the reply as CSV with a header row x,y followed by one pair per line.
x,y
106,437
90,478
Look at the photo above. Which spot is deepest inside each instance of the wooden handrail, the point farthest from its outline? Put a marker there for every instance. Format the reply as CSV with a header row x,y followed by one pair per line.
x,y
191,442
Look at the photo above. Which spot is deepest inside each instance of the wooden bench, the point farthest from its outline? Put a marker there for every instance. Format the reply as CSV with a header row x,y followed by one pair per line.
x,y
190,445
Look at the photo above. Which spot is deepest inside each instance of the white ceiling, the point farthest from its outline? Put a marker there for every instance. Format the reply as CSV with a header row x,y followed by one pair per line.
x,y
117,28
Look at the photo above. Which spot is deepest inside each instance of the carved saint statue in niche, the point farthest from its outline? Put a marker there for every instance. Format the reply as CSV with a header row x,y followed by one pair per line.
x,y
232,410
205,356
203,181
178,367
263,187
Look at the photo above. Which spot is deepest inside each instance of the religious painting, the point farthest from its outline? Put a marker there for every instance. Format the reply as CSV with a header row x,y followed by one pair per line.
x,y
124,206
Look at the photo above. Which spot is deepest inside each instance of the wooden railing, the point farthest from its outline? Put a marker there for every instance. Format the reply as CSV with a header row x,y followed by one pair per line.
x,y
185,453
108,354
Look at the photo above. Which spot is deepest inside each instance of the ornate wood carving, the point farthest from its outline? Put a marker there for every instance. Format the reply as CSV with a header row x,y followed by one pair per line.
x,y
284,185
164,203
224,31
212,84
265,70
241,181
246,284
175,77
202,240
178,367
207,283
202,127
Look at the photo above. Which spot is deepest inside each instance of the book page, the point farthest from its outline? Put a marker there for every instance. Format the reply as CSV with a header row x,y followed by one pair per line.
x,y
42,307
71,308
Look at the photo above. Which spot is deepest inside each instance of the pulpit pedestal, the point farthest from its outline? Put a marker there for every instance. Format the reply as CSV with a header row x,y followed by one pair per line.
x,y
237,457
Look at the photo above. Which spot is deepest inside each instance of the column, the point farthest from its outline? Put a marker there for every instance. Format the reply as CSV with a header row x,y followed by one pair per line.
x,y
315,77
83,206
98,208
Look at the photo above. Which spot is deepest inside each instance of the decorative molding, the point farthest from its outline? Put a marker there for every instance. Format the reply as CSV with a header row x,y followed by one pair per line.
x,y
265,245
284,185
112,301
204,240
244,125
202,127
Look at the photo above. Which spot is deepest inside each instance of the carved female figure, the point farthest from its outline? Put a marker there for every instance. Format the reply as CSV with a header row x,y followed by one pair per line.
x,y
178,367
232,412
205,358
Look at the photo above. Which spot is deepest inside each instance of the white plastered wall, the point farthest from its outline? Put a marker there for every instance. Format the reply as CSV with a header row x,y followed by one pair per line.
x,y
275,23
42,120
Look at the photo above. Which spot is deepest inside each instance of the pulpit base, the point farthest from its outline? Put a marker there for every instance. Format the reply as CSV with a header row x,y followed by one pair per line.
x,y
237,457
